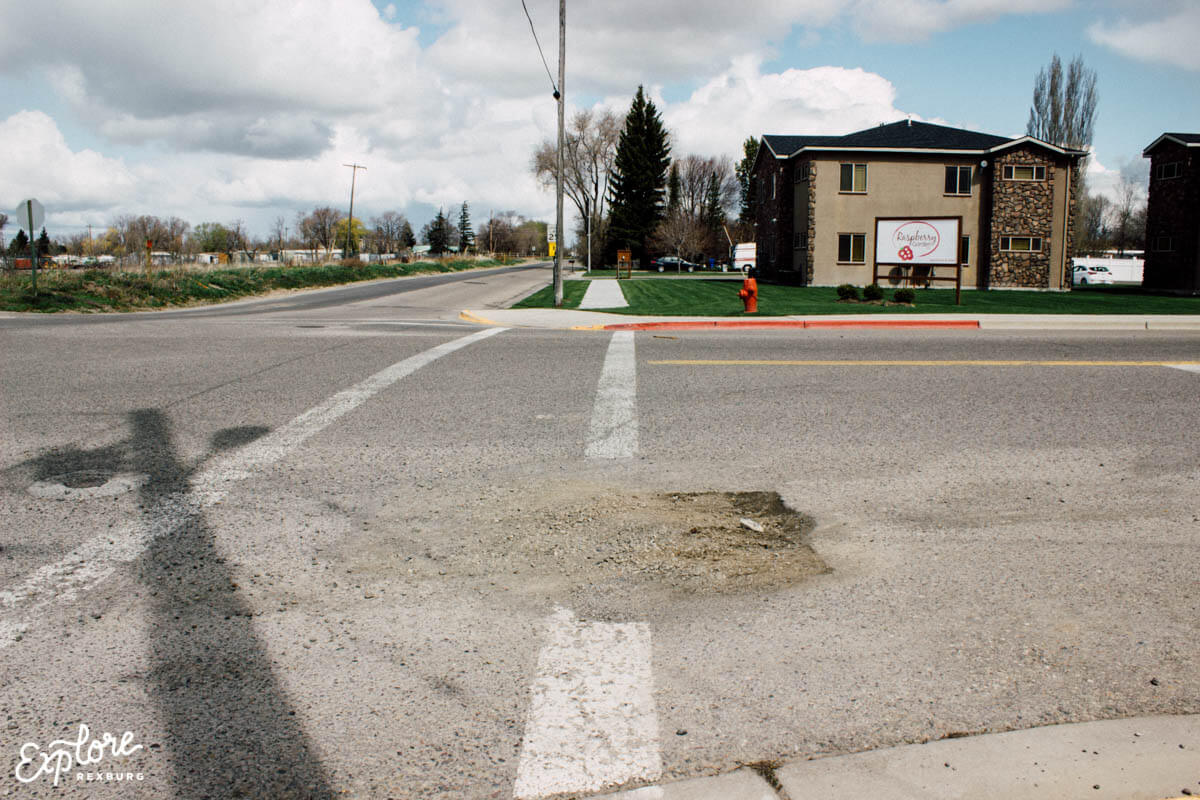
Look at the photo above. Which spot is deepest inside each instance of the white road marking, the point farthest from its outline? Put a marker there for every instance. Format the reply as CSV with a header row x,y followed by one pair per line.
x,y
614,431
98,557
603,294
1187,367
592,721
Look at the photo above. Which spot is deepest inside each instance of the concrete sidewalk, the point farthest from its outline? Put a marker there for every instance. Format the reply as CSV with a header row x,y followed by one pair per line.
x,y
571,319
1147,758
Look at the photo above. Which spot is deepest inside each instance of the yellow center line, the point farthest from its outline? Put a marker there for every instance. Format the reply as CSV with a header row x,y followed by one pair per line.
x,y
868,363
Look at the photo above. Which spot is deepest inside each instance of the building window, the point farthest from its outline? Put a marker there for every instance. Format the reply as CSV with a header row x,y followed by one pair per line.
x,y
854,178
958,180
1021,244
800,241
1164,171
803,171
773,185
964,250
1024,172
1163,244
852,248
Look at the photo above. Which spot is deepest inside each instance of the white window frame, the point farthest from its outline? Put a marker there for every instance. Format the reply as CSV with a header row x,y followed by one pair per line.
x,y
803,172
1010,172
959,180
852,236
800,240
1160,172
853,175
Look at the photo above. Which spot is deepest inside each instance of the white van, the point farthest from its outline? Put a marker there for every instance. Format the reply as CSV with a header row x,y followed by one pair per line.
x,y
745,256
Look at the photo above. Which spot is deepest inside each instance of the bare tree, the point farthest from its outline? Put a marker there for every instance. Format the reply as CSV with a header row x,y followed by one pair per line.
x,y
1128,214
388,227
279,233
683,235
1064,107
588,152
320,228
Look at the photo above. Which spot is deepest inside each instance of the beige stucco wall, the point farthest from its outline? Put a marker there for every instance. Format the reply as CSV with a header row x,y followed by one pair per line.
x,y
897,186
1057,240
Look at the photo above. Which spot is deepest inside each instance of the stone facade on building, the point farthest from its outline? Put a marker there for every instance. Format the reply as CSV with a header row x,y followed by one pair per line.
x,y
1021,208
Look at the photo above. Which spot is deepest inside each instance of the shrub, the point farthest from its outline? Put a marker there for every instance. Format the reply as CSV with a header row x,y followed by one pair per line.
x,y
847,292
905,296
873,292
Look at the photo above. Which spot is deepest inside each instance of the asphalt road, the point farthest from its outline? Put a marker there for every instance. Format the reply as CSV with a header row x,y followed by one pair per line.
x,y
344,544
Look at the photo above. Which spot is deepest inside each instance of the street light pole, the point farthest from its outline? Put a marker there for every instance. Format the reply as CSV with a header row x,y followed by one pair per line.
x,y
560,95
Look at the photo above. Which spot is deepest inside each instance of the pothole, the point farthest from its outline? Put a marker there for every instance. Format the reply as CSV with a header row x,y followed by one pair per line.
x,y
690,542
86,484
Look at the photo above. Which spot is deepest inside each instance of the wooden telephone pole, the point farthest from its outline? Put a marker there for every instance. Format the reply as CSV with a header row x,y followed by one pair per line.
x,y
350,222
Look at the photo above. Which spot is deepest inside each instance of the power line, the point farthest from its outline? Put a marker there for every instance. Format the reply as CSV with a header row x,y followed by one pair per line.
x,y
539,47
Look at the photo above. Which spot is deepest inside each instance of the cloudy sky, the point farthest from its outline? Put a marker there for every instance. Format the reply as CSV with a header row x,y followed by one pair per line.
x,y
217,110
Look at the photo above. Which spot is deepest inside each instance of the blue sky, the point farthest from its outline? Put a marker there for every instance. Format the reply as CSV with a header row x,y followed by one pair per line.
x,y
218,111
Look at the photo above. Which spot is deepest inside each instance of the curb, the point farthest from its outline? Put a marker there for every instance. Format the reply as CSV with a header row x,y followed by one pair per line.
x,y
795,323
1146,758
467,316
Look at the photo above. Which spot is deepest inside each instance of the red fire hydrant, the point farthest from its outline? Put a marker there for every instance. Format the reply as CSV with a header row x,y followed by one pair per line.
x,y
749,293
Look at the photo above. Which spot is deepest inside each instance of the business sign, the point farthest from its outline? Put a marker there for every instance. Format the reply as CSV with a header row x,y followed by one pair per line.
x,y
928,241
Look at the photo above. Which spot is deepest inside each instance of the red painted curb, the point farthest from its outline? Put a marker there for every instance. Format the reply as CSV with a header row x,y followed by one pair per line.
x,y
794,323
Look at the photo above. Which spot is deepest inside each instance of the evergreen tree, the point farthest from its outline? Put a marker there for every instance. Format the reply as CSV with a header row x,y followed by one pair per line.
x,y
745,170
408,239
43,244
466,236
638,180
714,216
439,234
19,246
674,189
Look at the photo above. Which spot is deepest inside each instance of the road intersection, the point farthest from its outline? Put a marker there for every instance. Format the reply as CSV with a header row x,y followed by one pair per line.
x,y
362,547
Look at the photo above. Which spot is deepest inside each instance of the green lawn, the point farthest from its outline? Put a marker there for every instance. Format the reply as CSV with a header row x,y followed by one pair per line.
x,y
718,298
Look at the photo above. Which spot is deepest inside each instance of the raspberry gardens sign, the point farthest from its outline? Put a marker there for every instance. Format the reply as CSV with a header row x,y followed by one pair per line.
x,y
929,241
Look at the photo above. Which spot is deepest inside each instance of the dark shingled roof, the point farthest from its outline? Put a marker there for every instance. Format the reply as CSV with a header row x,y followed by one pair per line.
x,y
1186,139
897,135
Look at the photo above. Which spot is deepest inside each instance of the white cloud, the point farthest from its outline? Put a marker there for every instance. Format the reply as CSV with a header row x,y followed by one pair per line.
x,y
1169,40
742,102
38,163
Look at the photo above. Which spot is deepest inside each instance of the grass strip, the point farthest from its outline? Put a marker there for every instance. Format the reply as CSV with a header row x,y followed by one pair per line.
x,y
97,290
718,298
573,292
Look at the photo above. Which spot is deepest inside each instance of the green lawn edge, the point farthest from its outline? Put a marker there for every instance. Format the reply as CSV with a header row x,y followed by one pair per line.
x,y
719,298
100,291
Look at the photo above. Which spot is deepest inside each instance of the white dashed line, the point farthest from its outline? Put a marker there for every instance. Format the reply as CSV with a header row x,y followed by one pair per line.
x,y
614,431
97,558
592,722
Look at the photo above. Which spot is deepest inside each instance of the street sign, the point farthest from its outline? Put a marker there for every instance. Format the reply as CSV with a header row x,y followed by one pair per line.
x,y
22,215
551,233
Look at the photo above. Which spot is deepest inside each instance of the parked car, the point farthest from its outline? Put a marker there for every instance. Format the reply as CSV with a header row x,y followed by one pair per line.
x,y
1085,275
671,262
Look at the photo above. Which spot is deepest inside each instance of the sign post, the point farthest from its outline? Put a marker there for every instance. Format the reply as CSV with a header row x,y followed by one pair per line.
x,y
926,242
30,214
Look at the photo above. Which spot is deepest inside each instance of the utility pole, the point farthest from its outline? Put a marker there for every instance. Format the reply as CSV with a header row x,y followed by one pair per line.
x,y
354,168
560,95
